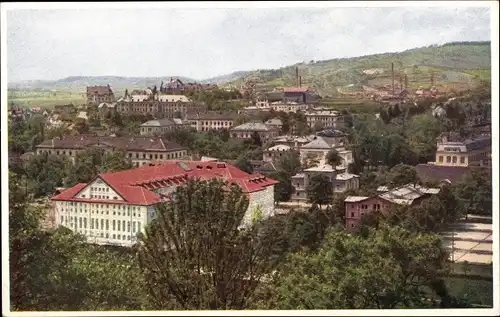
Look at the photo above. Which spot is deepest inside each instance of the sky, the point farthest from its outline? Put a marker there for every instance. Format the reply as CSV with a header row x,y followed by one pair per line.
x,y
203,43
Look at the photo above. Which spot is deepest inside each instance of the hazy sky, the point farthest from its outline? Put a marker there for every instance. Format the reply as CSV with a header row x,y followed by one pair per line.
x,y
202,43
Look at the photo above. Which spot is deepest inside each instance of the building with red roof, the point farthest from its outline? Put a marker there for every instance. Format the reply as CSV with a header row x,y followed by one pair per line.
x,y
114,207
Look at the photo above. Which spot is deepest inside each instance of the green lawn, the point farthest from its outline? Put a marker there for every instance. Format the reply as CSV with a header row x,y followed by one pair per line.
x,y
477,292
44,99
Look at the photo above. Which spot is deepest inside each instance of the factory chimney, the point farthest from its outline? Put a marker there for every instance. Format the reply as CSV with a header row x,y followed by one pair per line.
x,y
392,72
300,81
406,81
297,75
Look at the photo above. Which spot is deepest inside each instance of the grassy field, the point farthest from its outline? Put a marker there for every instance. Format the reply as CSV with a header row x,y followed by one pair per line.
x,y
44,99
475,291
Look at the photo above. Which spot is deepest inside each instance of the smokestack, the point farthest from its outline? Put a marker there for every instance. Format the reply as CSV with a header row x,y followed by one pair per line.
x,y
406,81
297,75
392,72
300,81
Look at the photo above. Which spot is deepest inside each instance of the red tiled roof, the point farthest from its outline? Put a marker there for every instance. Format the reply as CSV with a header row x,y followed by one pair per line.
x,y
135,185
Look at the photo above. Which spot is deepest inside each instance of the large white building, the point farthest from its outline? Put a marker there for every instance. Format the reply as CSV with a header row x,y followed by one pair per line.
x,y
114,207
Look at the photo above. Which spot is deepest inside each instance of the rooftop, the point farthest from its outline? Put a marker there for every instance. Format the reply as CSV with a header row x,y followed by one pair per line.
x,y
212,115
161,123
136,186
119,143
279,147
253,126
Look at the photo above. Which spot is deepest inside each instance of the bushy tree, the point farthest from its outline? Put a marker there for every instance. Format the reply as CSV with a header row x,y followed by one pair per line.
x,y
196,252
319,189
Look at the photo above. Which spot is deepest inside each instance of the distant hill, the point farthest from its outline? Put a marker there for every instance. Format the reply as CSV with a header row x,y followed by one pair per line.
x,y
454,65
79,83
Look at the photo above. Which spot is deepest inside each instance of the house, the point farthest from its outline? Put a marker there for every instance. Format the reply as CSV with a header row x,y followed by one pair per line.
x,y
274,153
341,182
326,119
104,108
160,106
160,126
292,141
319,147
453,150
139,150
211,120
82,115
358,206
246,130
275,122
99,94
114,207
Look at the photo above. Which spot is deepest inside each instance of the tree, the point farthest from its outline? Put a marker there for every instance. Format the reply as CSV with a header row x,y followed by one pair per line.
x,y
45,172
85,167
402,174
475,193
256,140
81,126
115,161
319,190
333,158
243,163
195,252
390,268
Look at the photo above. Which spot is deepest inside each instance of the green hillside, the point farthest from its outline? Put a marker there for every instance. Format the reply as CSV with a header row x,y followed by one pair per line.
x,y
454,65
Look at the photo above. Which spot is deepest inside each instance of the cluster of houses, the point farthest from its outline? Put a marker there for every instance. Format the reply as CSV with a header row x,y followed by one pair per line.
x,y
114,207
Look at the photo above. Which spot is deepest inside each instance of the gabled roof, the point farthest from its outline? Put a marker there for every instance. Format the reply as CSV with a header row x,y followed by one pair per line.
x,y
159,123
99,90
319,143
136,185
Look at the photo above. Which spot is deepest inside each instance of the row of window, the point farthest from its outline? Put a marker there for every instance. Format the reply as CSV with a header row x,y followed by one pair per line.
x,y
451,159
103,224
159,156
102,212
101,206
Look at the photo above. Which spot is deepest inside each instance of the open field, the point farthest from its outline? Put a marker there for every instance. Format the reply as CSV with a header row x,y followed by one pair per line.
x,y
44,99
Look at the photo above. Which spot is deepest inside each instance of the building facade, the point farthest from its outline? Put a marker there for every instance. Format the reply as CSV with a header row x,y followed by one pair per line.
x,y
160,126
326,119
139,150
321,145
341,181
246,130
452,150
211,120
160,106
358,206
274,153
114,207
99,94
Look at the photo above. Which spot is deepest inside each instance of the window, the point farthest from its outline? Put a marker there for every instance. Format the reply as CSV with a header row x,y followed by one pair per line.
x,y
62,219
352,225
138,226
454,159
107,224
107,235
462,159
118,225
79,222
448,159
440,158
114,236
128,226
123,225
97,223
92,223
85,223
102,223
114,225
352,214
133,226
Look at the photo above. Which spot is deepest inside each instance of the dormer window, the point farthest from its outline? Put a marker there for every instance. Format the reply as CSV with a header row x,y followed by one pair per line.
x,y
115,198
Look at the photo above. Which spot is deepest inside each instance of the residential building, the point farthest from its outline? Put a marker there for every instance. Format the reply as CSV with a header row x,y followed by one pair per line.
x,y
341,181
211,120
408,195
452,150
104,108
160,106
160,126
99,94
326,119
246,130
295,142
317,149
140,150
275,122
274,153
114,207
